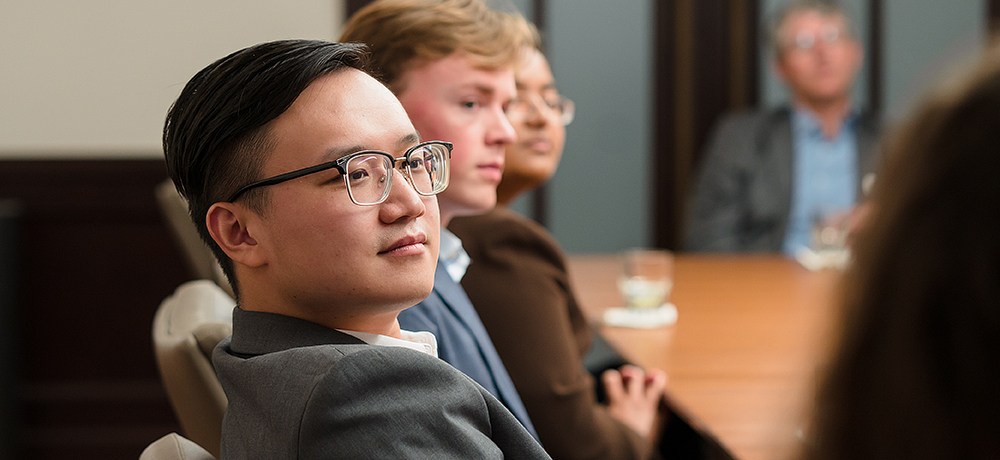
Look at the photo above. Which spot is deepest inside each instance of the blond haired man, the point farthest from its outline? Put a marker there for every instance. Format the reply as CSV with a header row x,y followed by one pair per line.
x,y
451,64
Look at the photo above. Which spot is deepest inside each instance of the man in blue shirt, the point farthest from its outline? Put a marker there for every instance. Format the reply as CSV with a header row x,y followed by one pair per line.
x,y
769,176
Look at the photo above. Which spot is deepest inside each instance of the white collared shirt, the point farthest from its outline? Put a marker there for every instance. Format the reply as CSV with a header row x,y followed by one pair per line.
x,y
456,261
423,341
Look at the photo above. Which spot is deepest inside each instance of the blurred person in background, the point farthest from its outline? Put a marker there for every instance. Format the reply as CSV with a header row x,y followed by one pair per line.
x,y
917,367
769,175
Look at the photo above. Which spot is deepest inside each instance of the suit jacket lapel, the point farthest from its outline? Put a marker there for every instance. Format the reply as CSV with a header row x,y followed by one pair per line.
x,y
456,300
770,191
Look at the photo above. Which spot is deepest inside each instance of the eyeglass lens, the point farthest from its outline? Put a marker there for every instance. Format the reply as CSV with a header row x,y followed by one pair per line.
x,y
369,175
806,40
368,178
562,108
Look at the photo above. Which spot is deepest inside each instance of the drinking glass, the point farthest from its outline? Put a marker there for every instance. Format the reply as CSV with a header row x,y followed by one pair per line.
x,y
647,278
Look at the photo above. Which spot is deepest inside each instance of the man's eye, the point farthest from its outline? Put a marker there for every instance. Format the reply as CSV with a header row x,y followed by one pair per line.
x,y
358,174
470,104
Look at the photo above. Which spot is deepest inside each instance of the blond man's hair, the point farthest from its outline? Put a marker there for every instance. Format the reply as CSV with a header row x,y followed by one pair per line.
x,y
404,34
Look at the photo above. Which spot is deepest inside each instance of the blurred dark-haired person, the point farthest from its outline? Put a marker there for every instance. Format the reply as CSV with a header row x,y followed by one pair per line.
x,y
317,195
522,291
769,175
917,367
451,64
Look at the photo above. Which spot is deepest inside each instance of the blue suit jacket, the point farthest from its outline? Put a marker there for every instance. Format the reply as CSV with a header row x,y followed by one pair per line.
x,y
463,341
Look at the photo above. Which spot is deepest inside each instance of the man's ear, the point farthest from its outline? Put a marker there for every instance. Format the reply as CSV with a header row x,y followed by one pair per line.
x,y
227,223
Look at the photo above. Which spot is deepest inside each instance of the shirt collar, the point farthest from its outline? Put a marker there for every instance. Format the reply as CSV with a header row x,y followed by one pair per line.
x,y
423,341
805,122
453,256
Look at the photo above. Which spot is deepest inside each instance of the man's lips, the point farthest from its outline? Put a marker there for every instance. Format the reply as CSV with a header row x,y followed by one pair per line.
x,y
538,144
407,244
493,171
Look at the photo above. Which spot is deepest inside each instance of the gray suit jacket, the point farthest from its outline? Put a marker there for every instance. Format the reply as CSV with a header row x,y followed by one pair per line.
x,y
743,194
298,390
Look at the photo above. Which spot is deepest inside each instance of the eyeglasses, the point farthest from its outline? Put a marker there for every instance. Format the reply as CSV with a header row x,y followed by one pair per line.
x,y
368,173
560,107
806,40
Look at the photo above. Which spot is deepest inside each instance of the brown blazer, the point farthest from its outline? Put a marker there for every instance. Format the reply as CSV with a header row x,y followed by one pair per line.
x,y
519,285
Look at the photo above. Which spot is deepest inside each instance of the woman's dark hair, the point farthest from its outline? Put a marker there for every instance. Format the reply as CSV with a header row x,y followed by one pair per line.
x,y
215,138
917,370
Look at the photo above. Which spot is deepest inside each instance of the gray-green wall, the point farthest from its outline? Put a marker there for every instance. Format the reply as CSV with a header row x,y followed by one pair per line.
x,y
601,53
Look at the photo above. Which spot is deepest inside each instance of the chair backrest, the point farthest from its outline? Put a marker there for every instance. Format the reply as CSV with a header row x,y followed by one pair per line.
x,y
174,447
187,327
200,259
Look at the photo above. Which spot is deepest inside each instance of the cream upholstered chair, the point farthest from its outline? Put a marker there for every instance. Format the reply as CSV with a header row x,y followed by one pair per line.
x,y
200,259
187,327
174,447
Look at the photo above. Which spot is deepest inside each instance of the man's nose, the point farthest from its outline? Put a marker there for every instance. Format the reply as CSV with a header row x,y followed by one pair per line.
x,y
403,200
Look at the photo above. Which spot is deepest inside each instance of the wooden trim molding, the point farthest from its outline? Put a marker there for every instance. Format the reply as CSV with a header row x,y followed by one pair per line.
x,y
993,16
876,21
352,6
704,67
95,259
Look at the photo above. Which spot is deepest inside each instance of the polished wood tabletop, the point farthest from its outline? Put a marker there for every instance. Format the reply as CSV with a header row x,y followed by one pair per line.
x,y
743,355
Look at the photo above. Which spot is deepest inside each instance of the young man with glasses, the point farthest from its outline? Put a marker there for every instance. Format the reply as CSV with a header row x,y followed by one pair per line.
x,y
451,63
315,192
768,174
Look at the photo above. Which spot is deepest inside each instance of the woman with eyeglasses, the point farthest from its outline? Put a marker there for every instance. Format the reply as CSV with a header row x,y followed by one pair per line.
x,y
519,286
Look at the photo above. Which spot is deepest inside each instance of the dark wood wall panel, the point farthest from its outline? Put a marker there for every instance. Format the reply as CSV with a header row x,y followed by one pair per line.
x,y
352,6
705,65
993,12
95,260
876,21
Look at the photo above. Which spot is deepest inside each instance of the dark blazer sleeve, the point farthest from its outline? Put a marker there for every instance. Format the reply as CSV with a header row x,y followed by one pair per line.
x,y
719,194
397,403
743,193
519,285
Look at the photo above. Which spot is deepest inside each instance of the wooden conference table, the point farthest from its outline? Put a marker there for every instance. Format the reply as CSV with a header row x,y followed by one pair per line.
x,y
743,355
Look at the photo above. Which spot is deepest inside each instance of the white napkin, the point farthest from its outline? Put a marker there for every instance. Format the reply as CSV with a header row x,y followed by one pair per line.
x,y
645,318
816,261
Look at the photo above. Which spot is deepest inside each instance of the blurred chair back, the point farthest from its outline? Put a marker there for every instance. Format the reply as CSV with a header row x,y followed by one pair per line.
x,y
200,259
174,447
187,327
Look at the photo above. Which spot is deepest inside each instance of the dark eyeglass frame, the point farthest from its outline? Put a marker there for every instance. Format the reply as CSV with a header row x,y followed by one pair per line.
x,y
341,164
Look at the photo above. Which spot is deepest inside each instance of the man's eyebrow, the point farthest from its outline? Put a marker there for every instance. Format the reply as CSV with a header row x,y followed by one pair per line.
x,y
546,87
484,89
336,153
409,140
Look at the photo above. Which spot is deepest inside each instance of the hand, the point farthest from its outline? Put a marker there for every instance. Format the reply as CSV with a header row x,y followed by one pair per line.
x,y
634,398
